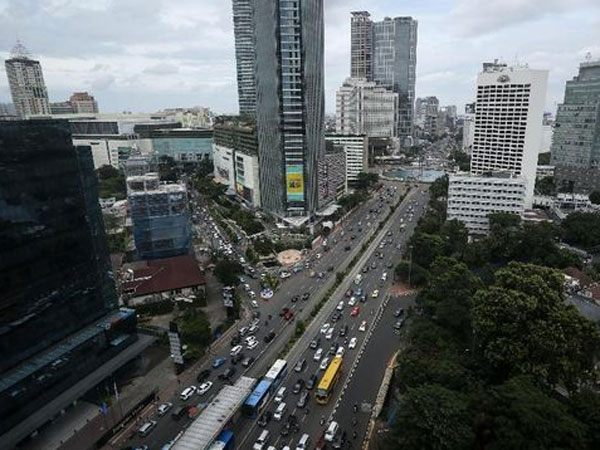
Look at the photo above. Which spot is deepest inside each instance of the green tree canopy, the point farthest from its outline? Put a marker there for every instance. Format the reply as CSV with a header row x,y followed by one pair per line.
x,y
414,274
427,247
228,272
582,228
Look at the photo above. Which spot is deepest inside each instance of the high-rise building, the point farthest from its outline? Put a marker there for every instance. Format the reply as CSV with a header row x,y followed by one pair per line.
x,y
58,320
395,63
26,83
356,150
83,103
468,128
361,45
576,140
332,175
290,104
160,215
243,30
430,115
363,107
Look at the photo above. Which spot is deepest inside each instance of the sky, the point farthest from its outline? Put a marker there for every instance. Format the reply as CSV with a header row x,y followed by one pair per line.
x,y
145,55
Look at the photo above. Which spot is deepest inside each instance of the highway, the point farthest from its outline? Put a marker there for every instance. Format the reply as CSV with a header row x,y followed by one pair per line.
x,y
360,224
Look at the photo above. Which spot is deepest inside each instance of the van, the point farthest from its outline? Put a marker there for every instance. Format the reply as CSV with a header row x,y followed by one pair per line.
x,y
179,413
279,411
147,428
303,442
261,441
331,431
280,395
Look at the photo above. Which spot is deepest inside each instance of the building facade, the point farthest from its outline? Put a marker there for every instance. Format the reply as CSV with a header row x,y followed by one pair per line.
x,y
361,45
468,128
363,107
57,285
289,42
356,150
83,103
243,30
160,216
395,64
472,199
508,122
332,175
576,141
26,82
184,145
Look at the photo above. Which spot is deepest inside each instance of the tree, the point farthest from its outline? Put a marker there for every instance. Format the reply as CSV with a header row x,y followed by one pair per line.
x,y
167,169
111,183
195,330
585,406
366,180
439,188
417,274
456,235
427,247
228,272
432,417
461,159
545,186
544,159
582,228
595,197
502,237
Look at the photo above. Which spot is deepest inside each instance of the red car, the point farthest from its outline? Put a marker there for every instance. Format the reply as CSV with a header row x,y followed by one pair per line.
x,y
284,311
355,311
288,315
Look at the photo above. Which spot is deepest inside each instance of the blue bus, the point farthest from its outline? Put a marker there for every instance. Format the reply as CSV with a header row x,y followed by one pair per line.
x,y
224,441
256,401
277,373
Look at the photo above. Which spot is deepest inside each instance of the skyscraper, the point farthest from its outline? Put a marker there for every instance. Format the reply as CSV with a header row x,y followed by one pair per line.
x,y
576,141
243,29
290,103
26,83
394,64
361,45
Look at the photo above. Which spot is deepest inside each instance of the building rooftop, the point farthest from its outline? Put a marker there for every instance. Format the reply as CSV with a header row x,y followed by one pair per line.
x,y
160,275
211,421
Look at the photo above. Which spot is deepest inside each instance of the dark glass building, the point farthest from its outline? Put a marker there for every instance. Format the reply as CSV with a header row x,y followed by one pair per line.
x,y
57,287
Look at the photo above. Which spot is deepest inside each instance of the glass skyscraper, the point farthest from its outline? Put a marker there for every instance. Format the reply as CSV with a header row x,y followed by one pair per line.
x,y
290,103
576,140
243,30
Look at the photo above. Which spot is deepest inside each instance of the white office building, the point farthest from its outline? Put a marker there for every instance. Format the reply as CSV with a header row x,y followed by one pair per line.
x,y
356,149
471,199
468,128
508,122
363,107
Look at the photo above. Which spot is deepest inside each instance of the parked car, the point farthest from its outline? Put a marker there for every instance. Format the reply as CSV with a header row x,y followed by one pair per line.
x,y
164,408
203,375
204,387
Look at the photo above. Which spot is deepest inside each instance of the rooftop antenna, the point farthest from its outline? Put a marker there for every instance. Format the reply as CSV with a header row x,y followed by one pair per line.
x,y
19,51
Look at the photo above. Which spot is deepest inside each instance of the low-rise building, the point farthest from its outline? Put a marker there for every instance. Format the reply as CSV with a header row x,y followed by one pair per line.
x,y
471,199
544,171
356,149
184,145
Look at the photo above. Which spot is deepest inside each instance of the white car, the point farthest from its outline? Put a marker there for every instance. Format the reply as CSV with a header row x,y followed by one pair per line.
x,y
363,326
325,328
329,333
247,287
340,352
318,354
252,294
204,387
253,329
324,364
285,274
236,350
318,256
340,306
352,301
254,303
352,343
375,293
252,345
187,393
384,276
250,338
163,408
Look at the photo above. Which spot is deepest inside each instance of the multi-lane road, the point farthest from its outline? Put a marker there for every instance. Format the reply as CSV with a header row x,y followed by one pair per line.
x,y
353,232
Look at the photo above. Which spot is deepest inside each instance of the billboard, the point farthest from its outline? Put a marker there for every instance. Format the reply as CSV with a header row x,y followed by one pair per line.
x,y
294,183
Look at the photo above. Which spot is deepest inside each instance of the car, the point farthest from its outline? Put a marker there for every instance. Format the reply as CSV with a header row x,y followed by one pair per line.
x,y
289,315
247,362
252,294
332,430
236,358
363,298
234,341
300,365
285,274
339,440
295,298
318,354
187,393
375,293
203,375
253,328
332,349
359,292
315,343
269,337
218,362
236,350
250,339
363,326
303,399
227,374
340,352
305,296
325,328
399,324
365,269
352,301
204,387
352,343
347,248
311,382
343,331
254,303
329,333
373,265
163,408
324,363
318,256
336,316
265,418
252,345
298,386
384,276
330,269
355,311
284,311
398,312
147,428
340,306
280,411
242,331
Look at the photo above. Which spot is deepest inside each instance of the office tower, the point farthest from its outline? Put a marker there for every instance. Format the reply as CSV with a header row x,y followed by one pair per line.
x,y
55,274
394,65
83,103
508,122
361,45
243,30
429,110
26,83
576,141
160,216
290,104
362,107
468,128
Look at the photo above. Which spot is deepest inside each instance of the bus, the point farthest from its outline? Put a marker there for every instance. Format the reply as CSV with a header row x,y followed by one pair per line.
x,y
329,380
256,401
277,373
224,441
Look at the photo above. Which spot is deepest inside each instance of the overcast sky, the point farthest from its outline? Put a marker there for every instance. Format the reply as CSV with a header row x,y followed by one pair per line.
x,y
144,55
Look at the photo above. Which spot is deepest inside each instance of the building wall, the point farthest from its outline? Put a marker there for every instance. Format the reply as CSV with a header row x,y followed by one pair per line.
x,y
243,30
468,133
332,177
472,199
27,87
361,45
223,159
247,180
183,149
356,150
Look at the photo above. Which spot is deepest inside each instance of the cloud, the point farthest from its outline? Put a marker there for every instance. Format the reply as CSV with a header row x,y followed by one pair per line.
x,y
103,82
161,69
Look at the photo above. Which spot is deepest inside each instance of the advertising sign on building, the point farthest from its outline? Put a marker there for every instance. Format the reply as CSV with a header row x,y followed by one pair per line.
x,y
295,183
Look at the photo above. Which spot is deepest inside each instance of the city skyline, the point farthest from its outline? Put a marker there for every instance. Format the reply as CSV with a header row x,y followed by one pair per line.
x,y
189,57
